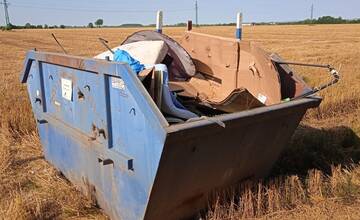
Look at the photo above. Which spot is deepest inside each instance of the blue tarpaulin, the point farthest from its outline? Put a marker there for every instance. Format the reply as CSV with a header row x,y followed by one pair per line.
x,y
123,56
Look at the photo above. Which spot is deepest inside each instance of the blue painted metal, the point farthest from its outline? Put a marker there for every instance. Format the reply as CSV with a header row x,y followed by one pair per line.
x,y
133,128
239,21
112,141
239,33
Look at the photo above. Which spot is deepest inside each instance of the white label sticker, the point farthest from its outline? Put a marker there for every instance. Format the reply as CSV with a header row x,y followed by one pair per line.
x,y
262,98
66,89
118,83
57,103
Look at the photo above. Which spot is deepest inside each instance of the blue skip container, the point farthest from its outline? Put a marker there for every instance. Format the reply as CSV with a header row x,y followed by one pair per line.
x,y
100,127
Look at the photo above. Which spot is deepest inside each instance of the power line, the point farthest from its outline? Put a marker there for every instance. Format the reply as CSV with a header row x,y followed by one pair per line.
x,y
6,5
94,10
312,12
196,13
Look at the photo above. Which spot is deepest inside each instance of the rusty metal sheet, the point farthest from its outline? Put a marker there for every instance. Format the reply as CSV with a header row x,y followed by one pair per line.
x,y
218,59
228,65
291,84
258,74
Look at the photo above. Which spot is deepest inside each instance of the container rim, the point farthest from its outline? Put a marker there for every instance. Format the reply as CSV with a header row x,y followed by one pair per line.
x,y
312,101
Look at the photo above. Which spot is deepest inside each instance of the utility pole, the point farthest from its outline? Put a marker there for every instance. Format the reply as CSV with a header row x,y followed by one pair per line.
x,y
7,19
196,13
312,13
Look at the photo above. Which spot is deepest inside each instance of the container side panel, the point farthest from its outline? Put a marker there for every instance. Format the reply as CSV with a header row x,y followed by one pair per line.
x,y
122,193
100,129
132,132
199,160
77,98
34,89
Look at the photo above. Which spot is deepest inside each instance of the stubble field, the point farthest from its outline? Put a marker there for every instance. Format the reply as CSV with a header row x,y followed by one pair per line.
x,y
327,140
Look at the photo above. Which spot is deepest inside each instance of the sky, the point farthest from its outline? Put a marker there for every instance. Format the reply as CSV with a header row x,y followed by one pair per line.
x,y
115,12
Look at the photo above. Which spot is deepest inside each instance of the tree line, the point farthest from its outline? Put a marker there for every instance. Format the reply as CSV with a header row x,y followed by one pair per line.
x,y
100,23
326,20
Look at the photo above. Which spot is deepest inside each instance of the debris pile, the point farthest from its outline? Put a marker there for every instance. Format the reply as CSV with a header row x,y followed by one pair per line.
x,y
204,75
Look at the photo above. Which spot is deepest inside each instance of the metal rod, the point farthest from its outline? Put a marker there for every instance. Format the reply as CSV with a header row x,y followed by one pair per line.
x,y
58,43
104,42
303,64
333,72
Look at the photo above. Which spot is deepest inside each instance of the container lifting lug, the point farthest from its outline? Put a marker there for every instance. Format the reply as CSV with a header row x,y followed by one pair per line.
x,y
38,100
97,132
105,161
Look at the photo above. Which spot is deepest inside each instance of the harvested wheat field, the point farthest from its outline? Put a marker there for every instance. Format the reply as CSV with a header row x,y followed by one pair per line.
x,y
317,176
